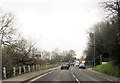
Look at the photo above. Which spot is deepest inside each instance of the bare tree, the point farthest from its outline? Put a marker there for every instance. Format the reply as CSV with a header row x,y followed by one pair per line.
x,y
112,8
24,47
6,27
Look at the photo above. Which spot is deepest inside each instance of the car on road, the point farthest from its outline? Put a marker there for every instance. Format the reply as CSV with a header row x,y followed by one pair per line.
x,y
82,66
65,65
77,63
72,63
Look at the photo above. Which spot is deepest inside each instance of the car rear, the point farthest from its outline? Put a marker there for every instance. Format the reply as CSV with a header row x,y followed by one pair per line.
x,y
65,66
82,66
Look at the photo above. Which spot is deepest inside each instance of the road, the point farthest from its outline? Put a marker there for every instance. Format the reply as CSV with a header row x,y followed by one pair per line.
x,y
73,75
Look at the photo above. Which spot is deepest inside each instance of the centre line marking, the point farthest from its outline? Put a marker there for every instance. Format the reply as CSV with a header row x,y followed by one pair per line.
x,y
74,75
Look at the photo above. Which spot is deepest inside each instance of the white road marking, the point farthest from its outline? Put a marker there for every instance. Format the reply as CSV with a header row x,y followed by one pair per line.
x,y
41,76
77,80
74,75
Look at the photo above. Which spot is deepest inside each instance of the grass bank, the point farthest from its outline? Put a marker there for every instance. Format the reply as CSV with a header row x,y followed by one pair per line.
x,y
49,67
109,69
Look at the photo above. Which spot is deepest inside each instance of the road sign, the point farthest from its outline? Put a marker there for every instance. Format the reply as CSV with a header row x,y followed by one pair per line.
x,y
37,52
60,60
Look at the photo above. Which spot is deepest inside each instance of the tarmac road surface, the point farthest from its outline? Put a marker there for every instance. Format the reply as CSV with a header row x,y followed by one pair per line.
x,y
73,75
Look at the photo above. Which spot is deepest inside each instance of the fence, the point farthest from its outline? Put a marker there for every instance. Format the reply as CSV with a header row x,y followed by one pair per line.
x,y
23,69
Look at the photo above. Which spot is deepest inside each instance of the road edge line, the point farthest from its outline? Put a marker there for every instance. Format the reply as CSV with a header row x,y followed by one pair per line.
x,y
28,80
40,76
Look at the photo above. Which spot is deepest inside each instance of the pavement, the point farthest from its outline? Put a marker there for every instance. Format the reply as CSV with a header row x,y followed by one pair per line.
x,y
24,78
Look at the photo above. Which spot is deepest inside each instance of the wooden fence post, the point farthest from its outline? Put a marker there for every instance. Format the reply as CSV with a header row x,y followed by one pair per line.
x,y
19,70
14,71
28,68
4,72
24,69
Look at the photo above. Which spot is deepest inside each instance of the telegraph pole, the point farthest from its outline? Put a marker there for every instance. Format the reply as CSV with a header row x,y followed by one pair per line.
x,y
94,48
92,35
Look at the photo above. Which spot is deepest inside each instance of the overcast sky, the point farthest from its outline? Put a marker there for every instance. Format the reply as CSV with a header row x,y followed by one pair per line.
x,y
54,24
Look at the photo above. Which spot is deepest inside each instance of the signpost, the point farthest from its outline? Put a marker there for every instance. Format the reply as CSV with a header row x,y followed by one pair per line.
x,y
60,60
37,55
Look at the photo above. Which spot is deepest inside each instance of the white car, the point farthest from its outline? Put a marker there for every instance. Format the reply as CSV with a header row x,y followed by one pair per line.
x,y
77,63
82,66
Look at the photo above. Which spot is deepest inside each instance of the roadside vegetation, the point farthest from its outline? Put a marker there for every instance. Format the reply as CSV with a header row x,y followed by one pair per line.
x,y
106,35
108,69
18,51
49,67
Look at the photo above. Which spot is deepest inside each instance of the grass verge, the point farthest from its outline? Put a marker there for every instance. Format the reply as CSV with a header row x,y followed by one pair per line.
x,y
109,69
49,67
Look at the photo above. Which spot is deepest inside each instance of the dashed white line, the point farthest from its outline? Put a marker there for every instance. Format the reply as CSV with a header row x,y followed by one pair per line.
x,y
74,76
77,80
